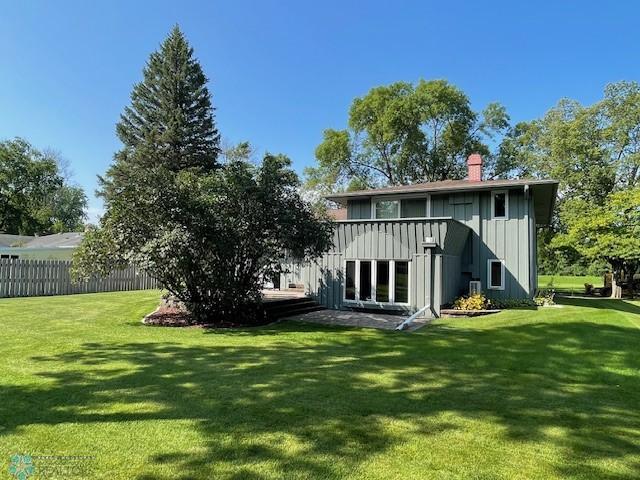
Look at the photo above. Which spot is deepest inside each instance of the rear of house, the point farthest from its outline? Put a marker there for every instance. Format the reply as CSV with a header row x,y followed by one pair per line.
x,y
409,247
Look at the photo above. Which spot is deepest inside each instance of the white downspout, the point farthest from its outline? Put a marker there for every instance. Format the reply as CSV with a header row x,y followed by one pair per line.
x,y
407,322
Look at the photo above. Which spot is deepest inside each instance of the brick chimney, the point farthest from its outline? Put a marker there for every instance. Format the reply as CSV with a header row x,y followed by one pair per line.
x,y
474,166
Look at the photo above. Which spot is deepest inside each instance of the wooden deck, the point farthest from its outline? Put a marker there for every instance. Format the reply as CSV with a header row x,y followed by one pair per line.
x,y
272,295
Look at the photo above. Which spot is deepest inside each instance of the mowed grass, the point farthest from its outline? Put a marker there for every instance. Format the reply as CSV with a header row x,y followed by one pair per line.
x,y
552,393
569,283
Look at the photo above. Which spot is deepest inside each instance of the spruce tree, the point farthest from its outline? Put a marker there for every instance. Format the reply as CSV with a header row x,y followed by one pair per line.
x,y
171,116
207,233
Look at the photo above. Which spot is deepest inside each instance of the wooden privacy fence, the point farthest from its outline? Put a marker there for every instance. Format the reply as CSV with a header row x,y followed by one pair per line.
x,y
32,278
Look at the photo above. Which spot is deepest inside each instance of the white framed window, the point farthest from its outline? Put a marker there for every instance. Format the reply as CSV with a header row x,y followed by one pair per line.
x,y
500,204
386,209
377,281
401,207
495,274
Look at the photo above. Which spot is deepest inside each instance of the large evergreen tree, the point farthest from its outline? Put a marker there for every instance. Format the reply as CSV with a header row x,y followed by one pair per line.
x,y
208,232
171,118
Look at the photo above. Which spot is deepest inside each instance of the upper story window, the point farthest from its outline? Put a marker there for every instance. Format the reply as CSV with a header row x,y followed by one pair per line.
x,y
404,208
387,209
500,204
414,208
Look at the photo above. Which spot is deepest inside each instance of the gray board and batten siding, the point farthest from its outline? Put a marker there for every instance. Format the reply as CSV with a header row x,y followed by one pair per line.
x,y
466,237
398,240
512,239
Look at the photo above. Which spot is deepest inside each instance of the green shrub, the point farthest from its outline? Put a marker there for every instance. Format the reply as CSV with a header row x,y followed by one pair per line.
x,y
507,303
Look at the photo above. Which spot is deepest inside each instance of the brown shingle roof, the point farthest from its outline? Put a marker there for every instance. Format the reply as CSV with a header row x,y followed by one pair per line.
x,y
444,186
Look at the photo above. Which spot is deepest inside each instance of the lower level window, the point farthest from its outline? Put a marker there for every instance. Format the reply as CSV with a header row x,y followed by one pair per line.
x,y
381,281
402,282
365,281
496,275
350,281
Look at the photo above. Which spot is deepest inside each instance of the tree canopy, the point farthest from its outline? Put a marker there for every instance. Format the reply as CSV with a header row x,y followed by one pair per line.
x,y
404,133
610,231
35,199
208,232
593,151
170,112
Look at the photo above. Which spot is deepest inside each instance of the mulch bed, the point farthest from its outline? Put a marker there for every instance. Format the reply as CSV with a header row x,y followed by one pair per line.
x,y
450,312
170,317
178,317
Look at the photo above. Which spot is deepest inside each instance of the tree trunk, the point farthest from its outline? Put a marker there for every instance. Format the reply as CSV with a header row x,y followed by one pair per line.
x,y
616,290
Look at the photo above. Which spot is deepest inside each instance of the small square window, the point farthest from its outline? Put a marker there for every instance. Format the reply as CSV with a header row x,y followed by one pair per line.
x,y
496,275
500,204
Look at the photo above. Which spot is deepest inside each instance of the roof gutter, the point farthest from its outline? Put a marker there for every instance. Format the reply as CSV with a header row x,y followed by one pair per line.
x,y
474,186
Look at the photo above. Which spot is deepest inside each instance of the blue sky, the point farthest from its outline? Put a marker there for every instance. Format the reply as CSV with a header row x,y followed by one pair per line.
x,y
281,72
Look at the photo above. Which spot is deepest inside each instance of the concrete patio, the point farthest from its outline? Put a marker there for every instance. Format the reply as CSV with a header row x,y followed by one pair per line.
x,y
358,319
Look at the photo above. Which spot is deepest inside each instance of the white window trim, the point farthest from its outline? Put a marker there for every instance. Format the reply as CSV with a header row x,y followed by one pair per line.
x,y
489,283
399,198
374,275
374,202
506,204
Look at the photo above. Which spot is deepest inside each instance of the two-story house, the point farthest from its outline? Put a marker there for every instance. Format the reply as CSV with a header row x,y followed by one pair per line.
x,y
422,245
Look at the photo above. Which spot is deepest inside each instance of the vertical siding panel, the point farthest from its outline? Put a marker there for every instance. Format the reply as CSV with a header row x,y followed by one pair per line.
x,y
404,240
368,240
396,251
375,240
412,237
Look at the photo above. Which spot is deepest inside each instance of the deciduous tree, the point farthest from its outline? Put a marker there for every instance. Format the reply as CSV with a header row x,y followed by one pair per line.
x,y
610,231
404,133
34,198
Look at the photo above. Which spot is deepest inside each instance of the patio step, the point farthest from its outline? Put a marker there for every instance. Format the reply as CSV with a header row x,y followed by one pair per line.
x,y
294,306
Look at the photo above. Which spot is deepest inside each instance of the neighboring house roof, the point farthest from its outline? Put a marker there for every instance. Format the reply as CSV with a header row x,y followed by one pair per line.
x,y
544,197
9,240
56,240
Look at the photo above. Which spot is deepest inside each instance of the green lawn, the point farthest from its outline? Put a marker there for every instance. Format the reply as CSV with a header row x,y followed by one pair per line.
x,y
553,393
568,283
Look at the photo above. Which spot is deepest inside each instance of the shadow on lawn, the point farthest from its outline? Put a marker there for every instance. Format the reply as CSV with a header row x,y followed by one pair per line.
x,y
249,401
601,303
